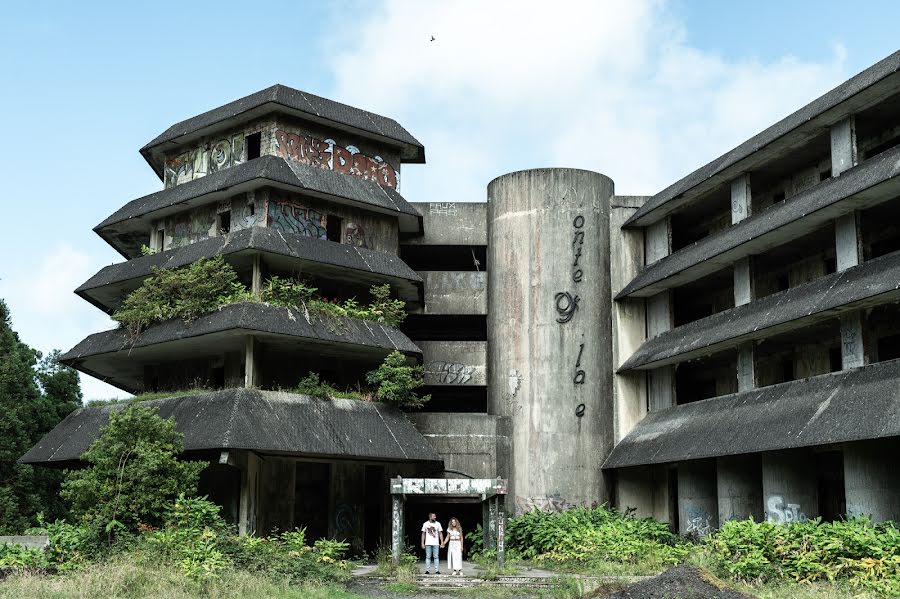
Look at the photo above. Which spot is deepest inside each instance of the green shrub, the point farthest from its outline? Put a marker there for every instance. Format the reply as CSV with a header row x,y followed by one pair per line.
x,y
397,382
287,292
391,312
16,558
134,473
313,386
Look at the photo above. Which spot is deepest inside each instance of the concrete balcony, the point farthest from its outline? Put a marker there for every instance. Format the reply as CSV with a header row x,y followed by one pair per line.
x,y
453,292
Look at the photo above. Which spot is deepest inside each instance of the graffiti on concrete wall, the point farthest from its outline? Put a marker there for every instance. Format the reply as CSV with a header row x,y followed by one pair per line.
x,y
328,155
448,373
442,208
193,226
553,503
779,512
698,521
250,214
346,522
355,235
199,162
294,218
513,382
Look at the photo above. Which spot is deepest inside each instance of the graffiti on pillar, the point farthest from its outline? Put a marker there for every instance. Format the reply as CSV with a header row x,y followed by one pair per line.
x,y
211,157
513,382
443,208
328,155
355,235
698,521
250,214
566,306
779,512
346,522
448,373
294,218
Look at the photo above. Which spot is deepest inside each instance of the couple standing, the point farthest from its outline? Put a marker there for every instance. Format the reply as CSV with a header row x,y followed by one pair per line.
x,y
433,538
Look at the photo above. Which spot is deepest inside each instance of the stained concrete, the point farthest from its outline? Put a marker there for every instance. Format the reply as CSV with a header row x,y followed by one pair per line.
x,y
451,223
790,486
739,488
453,292
871,479
476,445
698,506
455,363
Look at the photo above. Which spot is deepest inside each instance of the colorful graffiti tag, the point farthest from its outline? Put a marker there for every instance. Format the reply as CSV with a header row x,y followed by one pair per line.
x,y
294,218
193,227
355,235
328,155
200,162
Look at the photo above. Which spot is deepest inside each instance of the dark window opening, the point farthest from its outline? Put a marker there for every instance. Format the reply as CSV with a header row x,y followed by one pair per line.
x,y
445,327
706,378
787,370
312,496
218,377
445,257
160,239
889,348
225,222
333,230
825,175
882,147
835,360
456,398
674,516
783,282
778,197
830,265
832,499
374,508
254,146
251,207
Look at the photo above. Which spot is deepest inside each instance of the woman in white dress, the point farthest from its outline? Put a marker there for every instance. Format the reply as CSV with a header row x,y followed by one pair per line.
x,y
454,537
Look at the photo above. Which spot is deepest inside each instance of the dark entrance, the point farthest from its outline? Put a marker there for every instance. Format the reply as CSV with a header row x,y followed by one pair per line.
x,y
467,511
312,498
374,508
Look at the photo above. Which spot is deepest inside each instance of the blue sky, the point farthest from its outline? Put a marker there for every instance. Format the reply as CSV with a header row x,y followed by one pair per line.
x,y
642,90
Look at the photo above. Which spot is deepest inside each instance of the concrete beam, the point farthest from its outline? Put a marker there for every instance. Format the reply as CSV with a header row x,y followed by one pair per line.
x,y
739,487
871,479
251,363
698,507
790,487
848,241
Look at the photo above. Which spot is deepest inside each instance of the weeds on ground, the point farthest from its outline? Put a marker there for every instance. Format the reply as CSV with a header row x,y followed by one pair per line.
x,y
403,573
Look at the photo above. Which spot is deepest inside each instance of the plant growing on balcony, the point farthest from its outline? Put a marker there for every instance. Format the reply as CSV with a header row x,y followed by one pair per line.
x,y
397,382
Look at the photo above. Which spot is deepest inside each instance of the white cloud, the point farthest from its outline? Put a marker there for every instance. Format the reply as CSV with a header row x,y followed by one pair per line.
x,y
607,86
45,311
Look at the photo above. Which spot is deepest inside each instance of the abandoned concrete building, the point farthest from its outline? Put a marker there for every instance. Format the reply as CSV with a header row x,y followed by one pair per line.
x,y
726,348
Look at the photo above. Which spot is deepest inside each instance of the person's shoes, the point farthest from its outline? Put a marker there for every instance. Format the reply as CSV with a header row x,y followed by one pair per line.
x,y
427,572
438,572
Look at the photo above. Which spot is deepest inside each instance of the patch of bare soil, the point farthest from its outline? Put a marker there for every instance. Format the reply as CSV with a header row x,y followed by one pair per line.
x,y
678,583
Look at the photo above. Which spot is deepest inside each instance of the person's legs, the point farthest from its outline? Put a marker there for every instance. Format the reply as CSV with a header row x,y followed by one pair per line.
x,y
437,560
431,555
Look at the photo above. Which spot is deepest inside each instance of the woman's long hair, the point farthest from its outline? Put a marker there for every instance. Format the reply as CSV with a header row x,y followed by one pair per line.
x,y
457,527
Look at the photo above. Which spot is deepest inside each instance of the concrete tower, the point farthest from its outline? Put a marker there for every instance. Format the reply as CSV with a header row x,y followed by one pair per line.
x,y
549,331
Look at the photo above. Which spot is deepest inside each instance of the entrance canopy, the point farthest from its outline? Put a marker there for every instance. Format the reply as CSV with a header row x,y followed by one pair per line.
x,y
489,490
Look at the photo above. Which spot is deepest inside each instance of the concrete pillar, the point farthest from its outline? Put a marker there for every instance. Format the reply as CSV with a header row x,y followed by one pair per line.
x,y
251,363
661,388
658,240
871,479
848,243
698,505
744,291
843,146
790,486
549,330
249,494
501,533
397,533
741,205
746,367
256,279
739,486
853,347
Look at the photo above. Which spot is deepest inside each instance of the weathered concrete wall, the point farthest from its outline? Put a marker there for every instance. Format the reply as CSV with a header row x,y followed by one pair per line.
x,y
871,479
549,335
739,484
698,504
790,486
26,541
452,223
453,292
475,444
629,325
348,504
455,362
645,490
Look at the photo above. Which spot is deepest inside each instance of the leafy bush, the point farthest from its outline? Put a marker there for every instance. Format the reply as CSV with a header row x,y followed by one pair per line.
x,y
397,382
287,292
584,536
865,553
313,386
134,474
392,312
16,557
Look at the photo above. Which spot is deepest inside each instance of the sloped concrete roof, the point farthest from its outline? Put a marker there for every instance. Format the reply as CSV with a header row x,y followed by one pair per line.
x,y
871,283
254,239
280,98
127,228
852,405
804,121
872,182
267,422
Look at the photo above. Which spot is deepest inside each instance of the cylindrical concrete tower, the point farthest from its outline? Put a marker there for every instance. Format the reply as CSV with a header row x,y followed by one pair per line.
x,y
549,332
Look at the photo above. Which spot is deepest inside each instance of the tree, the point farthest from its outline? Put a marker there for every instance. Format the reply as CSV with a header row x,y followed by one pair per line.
x,y
135,472
33,399
397,382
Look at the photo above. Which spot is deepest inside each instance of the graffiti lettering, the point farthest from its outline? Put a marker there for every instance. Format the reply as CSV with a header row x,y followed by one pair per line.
x,y
355,235
779,512
566,305
294,218
193,227
444,208
553,503
449,373
250,215
328,155
698,521
199,162
577,243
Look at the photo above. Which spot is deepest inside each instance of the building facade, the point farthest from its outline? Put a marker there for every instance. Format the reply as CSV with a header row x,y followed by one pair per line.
x,y
726,348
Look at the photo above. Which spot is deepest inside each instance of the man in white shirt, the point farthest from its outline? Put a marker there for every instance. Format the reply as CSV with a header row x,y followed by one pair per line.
x,y
432,537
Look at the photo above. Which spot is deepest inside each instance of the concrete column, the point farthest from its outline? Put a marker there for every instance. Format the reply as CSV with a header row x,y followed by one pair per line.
x,y
790,486
848,242
741,205
256,280
397,544
739,486
744,291
251,363
658,240
853,347
249,494
698,506
501,534
661,388
843,146
746,367
871,479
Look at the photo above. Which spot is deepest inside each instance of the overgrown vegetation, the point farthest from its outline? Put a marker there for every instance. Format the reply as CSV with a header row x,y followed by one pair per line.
x,y
314,386
396,382
36,393
210,283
